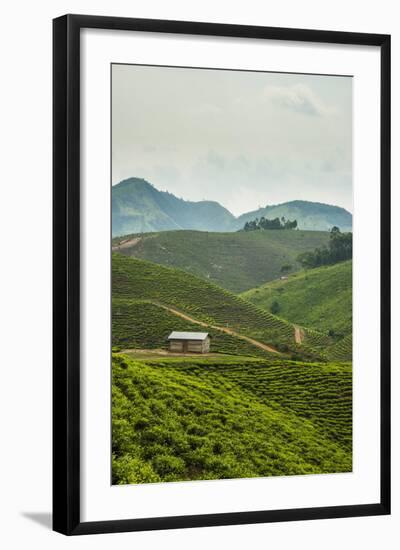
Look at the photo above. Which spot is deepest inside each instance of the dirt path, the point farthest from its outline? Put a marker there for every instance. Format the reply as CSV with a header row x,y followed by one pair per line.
x,y
126,244
149,353
298,335
255,343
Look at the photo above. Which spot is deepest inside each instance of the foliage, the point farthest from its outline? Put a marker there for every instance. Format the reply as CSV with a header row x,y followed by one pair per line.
x,y
342,350
181,419
319,298
340,248
314,216
275,307
265,223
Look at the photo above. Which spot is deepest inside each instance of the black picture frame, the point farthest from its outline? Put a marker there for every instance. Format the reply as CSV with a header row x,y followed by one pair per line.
x,y
66,272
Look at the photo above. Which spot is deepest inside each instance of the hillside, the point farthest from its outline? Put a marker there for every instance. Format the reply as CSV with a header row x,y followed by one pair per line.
x,y
138,207
312,216
318,298
137,324
187,419
342,350
235,261
204,302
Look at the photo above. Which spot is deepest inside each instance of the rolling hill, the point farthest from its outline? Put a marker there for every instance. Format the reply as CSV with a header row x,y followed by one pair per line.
x,y
235,261
183,294
342,350
137,324
149,301
195,418
312,216
243,410
138,207
318,298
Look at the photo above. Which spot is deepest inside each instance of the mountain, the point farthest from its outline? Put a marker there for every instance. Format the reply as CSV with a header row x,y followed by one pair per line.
x,y
318,298
138,207
236,261
313,216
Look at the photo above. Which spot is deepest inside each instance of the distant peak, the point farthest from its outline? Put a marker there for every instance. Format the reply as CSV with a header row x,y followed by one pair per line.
x,y
134,182
298,202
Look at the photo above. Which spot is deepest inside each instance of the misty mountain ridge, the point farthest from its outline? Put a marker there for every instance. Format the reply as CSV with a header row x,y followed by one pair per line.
x,y
312,216
138,207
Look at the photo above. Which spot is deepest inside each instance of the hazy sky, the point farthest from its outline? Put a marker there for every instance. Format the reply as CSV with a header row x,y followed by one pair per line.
x,y
243,139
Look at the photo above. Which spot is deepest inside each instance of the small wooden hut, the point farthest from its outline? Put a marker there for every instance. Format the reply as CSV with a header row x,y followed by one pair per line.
x,y
189,342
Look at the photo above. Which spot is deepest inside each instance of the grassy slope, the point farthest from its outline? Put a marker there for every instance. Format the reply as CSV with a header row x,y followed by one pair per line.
x,y
318,298
319,392
143,325
185,419
235,261
134,279
342,350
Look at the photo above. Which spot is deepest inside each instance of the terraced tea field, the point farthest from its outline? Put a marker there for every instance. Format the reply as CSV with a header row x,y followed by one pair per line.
x,y
235,261
144,325
319,392
134,279
320,298
216,418
342,350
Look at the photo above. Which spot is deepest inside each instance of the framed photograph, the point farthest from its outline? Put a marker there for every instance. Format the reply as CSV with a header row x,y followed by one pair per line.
x,y
221,274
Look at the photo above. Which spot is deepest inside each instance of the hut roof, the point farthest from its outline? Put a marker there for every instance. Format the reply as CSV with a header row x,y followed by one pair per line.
x,y
187,335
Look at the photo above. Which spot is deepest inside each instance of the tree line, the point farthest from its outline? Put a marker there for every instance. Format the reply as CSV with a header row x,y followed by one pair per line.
x,y
340,248
265,223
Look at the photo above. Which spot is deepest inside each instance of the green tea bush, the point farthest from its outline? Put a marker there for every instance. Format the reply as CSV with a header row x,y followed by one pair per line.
x,y
219,418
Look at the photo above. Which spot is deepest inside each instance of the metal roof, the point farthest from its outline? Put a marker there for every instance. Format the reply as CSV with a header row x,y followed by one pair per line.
x,y
187,335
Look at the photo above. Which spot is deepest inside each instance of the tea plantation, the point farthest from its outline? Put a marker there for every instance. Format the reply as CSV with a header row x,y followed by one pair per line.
x,y
318,298
342,350
134,279
181,419
236,261
144,325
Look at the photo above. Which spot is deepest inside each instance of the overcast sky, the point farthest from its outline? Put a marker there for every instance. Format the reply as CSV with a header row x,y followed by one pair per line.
x,y
243,139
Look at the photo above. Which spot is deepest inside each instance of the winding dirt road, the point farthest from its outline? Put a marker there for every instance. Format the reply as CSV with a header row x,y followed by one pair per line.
x,y
298,335
227,330
128,243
